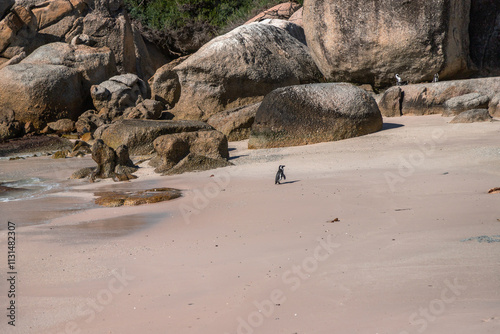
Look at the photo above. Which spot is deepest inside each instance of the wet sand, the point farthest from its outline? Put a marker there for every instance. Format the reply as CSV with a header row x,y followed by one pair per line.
x,y
238,254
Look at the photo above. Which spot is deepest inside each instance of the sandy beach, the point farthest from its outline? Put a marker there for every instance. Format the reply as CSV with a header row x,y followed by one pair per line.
x,y
375,234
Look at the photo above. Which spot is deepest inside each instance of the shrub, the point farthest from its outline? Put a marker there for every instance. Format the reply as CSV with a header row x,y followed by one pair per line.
x,y
183,26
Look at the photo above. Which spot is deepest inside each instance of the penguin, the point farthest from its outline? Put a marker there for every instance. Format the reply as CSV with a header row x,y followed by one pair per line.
x,y
280,174
400,81
436,78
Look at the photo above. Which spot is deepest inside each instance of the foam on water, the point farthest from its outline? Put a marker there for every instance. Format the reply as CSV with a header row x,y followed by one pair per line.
x,y
28,188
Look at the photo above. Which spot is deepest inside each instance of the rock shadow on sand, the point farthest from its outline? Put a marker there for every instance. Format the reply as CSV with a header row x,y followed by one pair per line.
x,y
389,126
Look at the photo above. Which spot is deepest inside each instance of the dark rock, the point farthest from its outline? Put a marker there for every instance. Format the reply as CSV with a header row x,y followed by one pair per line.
x,y
172,148
89,121
472,116
139,135
10,130
123,157
4,5
115,199
34,144
147,109
9,127
62,126
83,173
105,157
236,123
81,146
110,163
308,114
484,35
195,162
60,154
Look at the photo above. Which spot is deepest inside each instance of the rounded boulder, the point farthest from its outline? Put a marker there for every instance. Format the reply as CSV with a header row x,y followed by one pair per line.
x,y
308,114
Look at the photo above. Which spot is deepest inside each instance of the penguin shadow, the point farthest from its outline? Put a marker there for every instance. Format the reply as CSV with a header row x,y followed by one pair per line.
x,y
289,182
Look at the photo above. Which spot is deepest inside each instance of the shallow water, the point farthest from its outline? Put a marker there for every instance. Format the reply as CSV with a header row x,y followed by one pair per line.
x,y
110,227
32,187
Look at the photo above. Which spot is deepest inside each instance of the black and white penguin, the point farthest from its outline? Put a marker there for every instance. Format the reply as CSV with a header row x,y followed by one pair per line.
x,y
436,78
280,174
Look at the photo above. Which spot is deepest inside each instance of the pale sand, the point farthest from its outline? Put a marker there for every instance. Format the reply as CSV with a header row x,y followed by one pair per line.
x,y
398,263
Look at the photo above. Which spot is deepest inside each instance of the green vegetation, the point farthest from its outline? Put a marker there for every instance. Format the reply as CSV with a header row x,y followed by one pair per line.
x,y
196,20
173,14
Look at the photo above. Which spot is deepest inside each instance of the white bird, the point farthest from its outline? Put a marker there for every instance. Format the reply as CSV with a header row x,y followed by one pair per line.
x,y
400,81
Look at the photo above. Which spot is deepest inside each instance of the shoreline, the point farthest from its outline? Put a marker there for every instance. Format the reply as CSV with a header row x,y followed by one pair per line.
x,y
238,254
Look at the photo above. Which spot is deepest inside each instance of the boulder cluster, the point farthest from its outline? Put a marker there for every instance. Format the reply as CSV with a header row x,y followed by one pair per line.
x,y
292,75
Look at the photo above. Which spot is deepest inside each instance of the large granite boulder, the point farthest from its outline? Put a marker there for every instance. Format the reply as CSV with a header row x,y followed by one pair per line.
x,y
308,114
17,30
430,98
240,68
139,135
173,148
94,64
101,23
37,23
235,123
109,25
54,82
41,93
165,86
370,41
